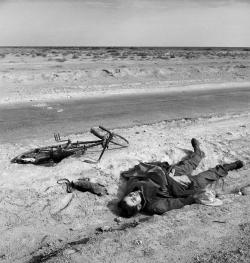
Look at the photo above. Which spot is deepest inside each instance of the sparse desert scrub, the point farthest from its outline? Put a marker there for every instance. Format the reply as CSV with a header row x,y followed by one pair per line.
x,y
75,56
60,59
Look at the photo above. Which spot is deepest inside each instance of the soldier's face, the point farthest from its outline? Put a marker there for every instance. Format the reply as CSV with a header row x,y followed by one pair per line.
x,y
133,199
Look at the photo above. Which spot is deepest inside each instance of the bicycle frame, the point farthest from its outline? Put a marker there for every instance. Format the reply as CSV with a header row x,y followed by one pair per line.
x,y
84,145
58,152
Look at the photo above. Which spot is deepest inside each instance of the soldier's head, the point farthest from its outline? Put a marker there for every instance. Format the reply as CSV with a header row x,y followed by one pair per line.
x,y
131,204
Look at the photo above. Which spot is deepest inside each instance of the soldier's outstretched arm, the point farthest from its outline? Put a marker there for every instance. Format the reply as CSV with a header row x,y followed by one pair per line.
x,y
166,204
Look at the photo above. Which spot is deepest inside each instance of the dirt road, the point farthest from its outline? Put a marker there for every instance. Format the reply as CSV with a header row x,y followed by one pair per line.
x,y
34,120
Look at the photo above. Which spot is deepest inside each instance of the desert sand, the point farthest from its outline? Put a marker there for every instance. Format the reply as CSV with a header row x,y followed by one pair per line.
x,y
35,74
40,222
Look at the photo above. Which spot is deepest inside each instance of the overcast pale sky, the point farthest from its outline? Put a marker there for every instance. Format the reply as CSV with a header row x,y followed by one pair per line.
x,y
125,22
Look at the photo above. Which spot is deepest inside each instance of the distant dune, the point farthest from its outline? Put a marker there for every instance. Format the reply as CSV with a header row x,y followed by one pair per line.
x,y
50,73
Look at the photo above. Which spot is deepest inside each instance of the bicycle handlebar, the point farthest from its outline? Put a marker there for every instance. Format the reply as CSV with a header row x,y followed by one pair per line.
x,y
104,129
99,135
96,133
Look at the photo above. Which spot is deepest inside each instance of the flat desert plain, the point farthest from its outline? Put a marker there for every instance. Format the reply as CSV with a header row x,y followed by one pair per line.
x,y
40,222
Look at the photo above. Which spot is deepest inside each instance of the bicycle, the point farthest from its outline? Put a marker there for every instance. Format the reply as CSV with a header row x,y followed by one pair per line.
x,y
50,155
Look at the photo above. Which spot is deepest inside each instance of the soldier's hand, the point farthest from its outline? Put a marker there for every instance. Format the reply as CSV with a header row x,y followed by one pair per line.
x,y
172,172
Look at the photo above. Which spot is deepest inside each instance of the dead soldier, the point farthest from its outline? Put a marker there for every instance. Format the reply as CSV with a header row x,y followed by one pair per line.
x,y
156,188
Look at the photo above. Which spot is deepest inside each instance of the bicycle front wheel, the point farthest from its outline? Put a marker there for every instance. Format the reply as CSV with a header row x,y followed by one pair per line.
x,y
119,140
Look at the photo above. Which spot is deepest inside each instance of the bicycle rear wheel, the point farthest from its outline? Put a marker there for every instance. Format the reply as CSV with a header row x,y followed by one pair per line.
x,y
34,156
44,156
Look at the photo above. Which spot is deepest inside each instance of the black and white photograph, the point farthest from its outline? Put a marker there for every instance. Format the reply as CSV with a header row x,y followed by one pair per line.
x,y
124,131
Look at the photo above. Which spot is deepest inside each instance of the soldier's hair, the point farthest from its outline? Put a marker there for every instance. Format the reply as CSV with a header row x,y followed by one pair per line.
x,y
127,210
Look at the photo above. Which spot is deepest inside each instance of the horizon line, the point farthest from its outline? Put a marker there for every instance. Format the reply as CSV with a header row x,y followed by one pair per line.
x,y
87,46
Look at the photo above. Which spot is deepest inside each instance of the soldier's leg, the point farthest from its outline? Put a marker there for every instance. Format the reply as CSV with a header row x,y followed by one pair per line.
x,y
212,175
187,166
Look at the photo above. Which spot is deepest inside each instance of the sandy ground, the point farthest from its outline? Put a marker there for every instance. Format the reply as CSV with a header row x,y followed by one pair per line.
x,y
40,222
34,221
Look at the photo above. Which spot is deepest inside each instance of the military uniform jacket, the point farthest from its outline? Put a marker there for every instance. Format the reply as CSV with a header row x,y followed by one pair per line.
x,y
153,180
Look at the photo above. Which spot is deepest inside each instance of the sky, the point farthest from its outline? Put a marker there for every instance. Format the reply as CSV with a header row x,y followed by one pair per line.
x,y
125,23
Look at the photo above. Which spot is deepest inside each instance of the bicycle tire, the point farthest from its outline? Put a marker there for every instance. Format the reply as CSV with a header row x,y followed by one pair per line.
x,y
115,138
42,156
34,156
119,140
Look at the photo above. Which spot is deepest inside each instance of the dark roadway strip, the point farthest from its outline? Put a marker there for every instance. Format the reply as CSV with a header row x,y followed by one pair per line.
x,y
22,122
